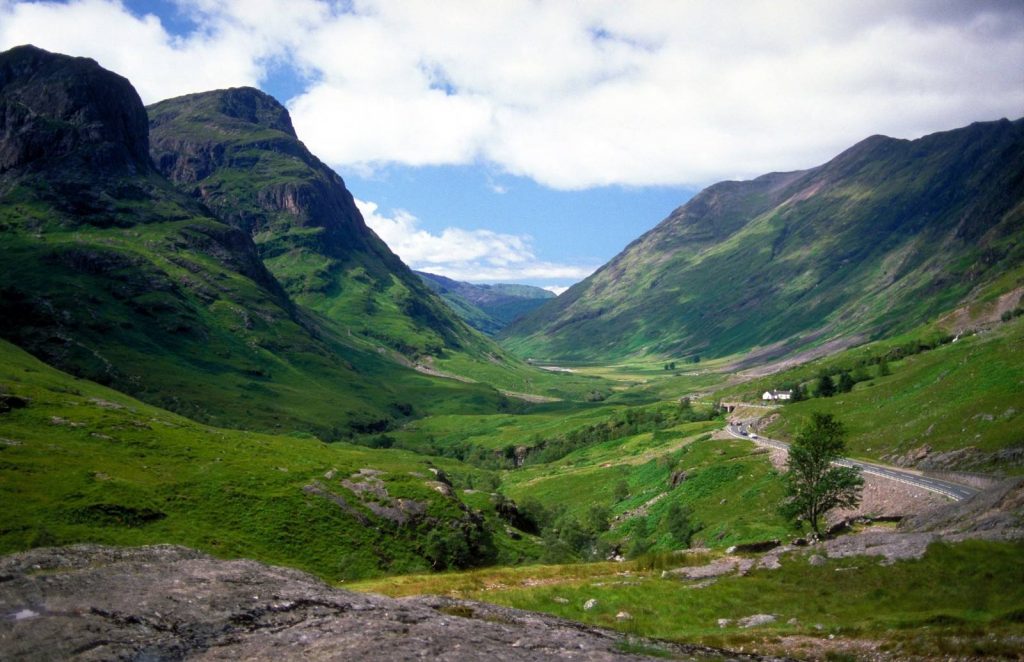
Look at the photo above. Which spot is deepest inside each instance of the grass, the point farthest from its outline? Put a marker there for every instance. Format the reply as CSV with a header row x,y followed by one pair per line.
x,y
958,598
731,490
83,463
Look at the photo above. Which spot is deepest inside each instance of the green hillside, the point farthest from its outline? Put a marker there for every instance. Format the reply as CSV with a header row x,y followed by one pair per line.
x,y
886,236
82,463
112,274
960,400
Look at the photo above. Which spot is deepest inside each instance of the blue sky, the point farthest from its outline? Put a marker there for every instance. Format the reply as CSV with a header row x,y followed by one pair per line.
x,y
530,141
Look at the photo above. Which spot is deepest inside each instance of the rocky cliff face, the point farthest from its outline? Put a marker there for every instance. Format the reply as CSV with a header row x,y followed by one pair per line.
x,y
236,151
69,112
89,602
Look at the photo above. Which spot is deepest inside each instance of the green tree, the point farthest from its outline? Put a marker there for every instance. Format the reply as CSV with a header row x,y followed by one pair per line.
x,y
845,382
826,387
621,490
640,542
598,518
447,548
883,368
679,525
798,394
814,485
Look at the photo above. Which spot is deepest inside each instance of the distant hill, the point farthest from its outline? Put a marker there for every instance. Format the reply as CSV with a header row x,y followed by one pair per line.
x,y
487,308
887,235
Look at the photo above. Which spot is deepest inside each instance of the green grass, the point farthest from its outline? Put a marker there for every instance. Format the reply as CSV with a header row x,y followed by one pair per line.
x,y
731,490
965,596
83,463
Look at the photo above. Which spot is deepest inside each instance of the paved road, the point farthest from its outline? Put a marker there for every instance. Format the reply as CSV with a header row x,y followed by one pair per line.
x,y
954,491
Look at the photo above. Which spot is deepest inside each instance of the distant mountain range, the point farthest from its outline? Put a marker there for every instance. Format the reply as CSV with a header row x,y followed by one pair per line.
x,y
487,308
884,237
234,281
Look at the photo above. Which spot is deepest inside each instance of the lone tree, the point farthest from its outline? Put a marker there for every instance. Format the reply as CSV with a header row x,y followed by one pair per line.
x,y
813,485
826,387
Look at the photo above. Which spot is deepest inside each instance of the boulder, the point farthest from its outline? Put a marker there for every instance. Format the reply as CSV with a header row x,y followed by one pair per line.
x,y
756,620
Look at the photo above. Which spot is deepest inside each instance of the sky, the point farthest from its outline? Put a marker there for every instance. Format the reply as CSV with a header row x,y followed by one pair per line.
x,y
530,141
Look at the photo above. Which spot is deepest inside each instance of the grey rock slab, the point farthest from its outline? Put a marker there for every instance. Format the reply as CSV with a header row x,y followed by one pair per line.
x,y
90,602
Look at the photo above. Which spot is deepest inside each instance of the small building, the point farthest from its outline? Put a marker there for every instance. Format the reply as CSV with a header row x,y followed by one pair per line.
x,y
774,396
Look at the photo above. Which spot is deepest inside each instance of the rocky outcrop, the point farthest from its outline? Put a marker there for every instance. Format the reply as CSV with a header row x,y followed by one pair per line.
x,y
996,512
236,151
204,142
56,109
164,602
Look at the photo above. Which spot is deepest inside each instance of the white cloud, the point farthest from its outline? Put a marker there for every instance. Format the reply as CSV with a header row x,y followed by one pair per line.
x,y
158,64
574,94
468,255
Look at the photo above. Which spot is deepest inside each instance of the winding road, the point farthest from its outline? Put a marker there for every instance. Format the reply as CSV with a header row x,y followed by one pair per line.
x,y
954,491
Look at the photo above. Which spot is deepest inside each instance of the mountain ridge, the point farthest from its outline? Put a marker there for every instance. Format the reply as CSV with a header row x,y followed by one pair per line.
x,y
866,243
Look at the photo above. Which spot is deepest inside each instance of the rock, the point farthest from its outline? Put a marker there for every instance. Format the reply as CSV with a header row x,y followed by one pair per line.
x,y
560,600
717,568
724,622
9,402
755,620
996,512
817,560
677,478
440,476
57,108
169,602
623,616
442,488
589,604
793,621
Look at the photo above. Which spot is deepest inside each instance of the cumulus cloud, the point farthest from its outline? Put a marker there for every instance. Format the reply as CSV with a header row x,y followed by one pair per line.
x,y
158,64
468,255
571,94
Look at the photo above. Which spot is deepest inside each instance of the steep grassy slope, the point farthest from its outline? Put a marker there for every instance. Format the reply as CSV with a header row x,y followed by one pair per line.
x,y
487,308
82,463
887,235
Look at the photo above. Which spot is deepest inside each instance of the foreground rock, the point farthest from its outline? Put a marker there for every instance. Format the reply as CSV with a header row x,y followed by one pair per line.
x,y
165,602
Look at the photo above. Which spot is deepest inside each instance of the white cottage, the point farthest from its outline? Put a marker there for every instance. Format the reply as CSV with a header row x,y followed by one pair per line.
x,y
773,395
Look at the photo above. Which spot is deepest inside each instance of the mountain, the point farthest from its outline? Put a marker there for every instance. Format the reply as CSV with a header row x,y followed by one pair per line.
x,y
887,235
487,308
236,151
113,274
